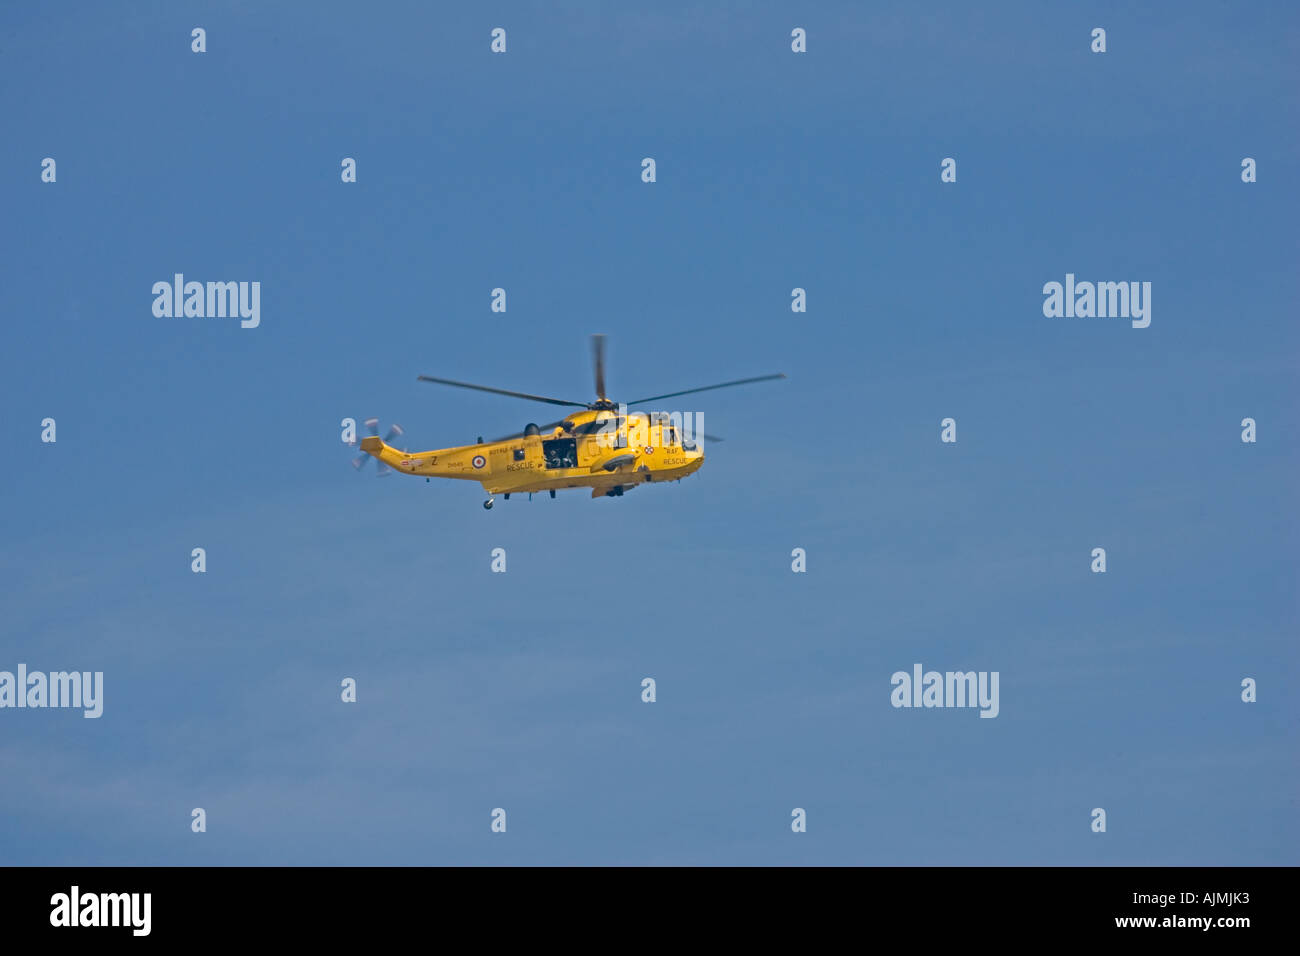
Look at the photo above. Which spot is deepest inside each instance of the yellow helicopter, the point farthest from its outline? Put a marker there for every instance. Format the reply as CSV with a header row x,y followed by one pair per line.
x,y
603,447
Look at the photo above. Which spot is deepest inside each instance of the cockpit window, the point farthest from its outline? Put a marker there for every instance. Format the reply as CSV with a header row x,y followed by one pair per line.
x,y
599,426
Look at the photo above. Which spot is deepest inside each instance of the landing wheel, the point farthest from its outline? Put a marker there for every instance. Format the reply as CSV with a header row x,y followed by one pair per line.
x,y
488,504
552,492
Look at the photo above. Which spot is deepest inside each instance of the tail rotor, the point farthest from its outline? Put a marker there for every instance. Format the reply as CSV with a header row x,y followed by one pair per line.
x,y
380,468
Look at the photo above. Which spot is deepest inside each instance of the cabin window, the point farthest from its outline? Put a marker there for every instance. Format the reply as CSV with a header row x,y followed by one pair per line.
x,y
519,454
560,453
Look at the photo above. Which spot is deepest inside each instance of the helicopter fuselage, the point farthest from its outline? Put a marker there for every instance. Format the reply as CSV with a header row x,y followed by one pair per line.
x,y
597,449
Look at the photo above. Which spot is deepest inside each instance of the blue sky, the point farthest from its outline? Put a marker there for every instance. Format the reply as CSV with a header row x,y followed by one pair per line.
x,y
522,690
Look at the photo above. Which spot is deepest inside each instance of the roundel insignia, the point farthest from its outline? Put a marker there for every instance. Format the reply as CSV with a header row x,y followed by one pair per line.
x,y
479,461
649,450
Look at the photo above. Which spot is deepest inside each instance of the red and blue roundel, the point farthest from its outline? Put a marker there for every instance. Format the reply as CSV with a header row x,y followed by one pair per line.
x,y
479,461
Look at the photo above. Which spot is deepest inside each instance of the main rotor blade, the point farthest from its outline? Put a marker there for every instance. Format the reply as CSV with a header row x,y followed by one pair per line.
x,y
707,388
598,360
502,391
